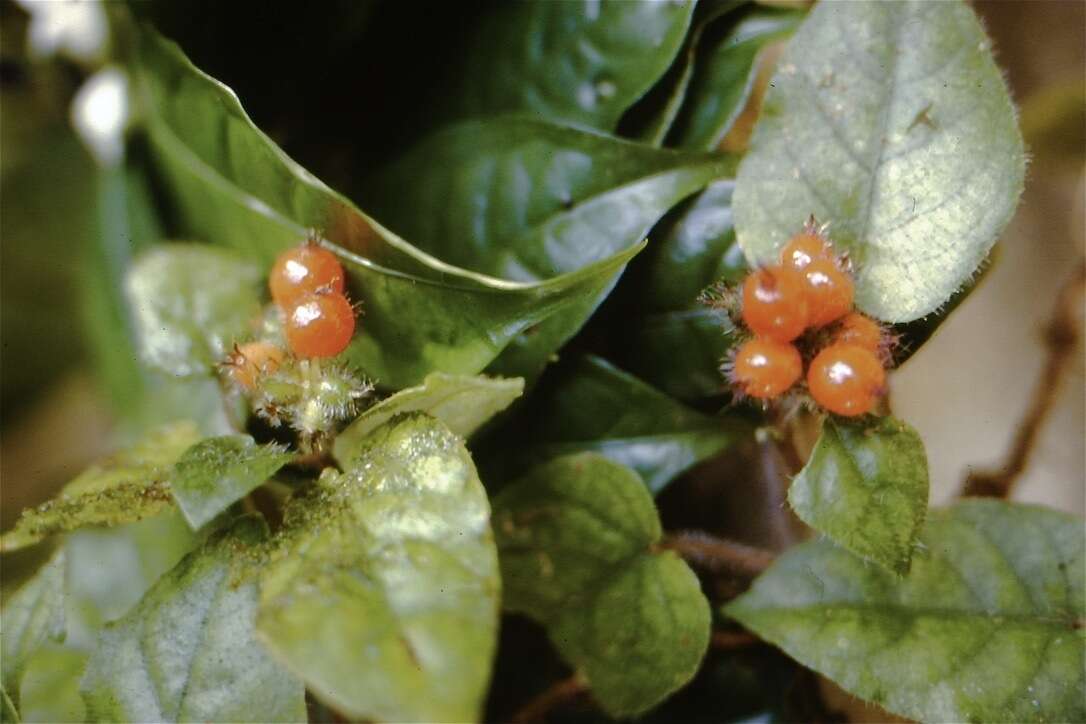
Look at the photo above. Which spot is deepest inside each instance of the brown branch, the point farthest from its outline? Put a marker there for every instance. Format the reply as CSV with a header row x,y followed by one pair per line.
x,y
728,640
1061,337
717,554
556,694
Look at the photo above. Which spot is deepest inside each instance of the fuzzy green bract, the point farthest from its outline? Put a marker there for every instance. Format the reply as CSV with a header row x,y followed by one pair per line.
x,y
581,62
191,303
33,616
891,122
576,538
461,402
129,486
866,487
188,651
987,625
382,592
215,473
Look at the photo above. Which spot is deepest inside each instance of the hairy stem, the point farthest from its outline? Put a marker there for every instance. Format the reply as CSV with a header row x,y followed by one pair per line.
x,y
717,554
556,694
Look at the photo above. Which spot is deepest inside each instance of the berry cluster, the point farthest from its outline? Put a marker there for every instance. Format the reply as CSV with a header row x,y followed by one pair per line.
x,y
807,299
307,284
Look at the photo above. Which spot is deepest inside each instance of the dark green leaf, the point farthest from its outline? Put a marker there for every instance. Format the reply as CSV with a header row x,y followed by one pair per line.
x,y
383,590
866,487
724,71
126,487
890,121
188,651
581,62
231,185
986,626
215,473
681,352
191,303
596,406
462,403
576,539
30,618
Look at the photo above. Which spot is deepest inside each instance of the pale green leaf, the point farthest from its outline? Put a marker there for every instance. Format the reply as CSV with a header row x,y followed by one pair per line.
x,y
382,593
987,625
866,487
463,403
51,687
31,617
191,303
188,652
576,538
126,487
890,121
216,472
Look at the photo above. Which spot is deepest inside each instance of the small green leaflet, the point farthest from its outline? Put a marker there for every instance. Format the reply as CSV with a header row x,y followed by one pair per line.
x,y
126,487
216,472
576,539
191,302
463,403
31,617
188,652
382,591
866,487
988,625
891,122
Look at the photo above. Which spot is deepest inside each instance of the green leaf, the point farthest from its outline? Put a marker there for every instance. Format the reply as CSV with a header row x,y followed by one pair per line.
x,y
215,473
8,712
382,594
866,487
987,625
582,63
576,538
126,487
191,303
598,407
462,403
681,352
230,185
188,651
31,617
724,72
890,121
51,686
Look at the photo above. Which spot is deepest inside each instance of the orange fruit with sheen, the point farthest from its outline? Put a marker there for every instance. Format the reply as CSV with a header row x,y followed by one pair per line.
x,y
775,303
855,328
251,361
829,292
803,248
319,325
304,270
766,369
846,379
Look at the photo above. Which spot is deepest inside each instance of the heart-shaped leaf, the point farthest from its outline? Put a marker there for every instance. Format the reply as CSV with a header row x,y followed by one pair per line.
x,y
230,185
890,121
188,650
191,303
866,487
462,403
986,626
31,617
382,593
576,539
215,473
580,62
126,487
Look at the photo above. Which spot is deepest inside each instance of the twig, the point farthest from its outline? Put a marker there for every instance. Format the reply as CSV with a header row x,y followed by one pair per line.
x,y
558,693
716,554
1061,338
727,640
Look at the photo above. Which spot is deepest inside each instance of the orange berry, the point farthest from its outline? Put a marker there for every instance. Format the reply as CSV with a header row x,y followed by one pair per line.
x,y
846,379
303,270
251,361
764,368
775,303
859,330
319,325
803,248
829,292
